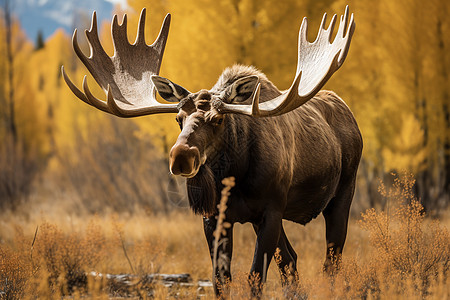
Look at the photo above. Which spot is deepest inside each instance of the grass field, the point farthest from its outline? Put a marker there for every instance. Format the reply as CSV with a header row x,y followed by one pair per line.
x,y
396,253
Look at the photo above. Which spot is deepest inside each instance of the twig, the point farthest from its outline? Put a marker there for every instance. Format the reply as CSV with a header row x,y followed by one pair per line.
x,y
32,244
264,268
125,252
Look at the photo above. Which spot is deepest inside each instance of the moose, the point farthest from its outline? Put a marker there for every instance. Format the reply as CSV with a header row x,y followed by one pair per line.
x,y
294,154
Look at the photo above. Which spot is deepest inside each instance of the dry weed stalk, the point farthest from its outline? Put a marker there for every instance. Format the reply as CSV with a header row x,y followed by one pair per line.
x,y
220,259
125,252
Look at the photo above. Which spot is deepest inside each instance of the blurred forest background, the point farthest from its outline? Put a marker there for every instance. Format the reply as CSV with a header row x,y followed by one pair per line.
x,y
58,153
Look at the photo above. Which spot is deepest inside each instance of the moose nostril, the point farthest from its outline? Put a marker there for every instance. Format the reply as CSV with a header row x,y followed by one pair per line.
x,y
183,159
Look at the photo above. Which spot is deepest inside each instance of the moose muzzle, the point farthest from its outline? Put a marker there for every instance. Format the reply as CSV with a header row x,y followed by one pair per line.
x,y
184,160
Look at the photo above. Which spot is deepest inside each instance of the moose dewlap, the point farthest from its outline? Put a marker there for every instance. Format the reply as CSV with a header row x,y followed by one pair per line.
x,y
293,154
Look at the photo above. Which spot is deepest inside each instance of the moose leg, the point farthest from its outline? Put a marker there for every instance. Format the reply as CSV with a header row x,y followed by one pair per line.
x,y
336,219
287,260
221,263
287,263
268,234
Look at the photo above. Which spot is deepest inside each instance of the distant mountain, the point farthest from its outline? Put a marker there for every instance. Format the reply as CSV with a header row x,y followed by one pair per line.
x,y
48,15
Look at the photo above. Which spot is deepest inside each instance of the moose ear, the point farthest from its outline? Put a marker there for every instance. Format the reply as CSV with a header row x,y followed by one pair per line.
x,y
242,89
168,90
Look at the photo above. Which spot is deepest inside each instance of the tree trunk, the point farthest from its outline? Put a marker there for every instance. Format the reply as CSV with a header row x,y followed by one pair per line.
x,y
10,119
445,192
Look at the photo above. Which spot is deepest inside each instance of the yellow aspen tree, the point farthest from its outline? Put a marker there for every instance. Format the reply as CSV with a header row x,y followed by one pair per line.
x,y
22,155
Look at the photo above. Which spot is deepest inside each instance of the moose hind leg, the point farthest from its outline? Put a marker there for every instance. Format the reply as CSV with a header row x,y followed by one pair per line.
x,y
287,260
336,220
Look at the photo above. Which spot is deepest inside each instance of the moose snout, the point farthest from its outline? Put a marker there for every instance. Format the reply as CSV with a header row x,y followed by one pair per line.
x,y
184,160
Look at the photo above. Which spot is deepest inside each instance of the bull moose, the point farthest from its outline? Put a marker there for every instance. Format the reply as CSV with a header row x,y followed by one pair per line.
x,y
294,154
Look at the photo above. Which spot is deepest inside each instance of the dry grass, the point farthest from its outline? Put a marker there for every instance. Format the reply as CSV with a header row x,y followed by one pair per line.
x,y
397,253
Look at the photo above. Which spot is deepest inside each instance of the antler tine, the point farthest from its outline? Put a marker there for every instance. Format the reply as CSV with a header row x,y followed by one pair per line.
x,y
317,61
344,21
92,35
140,38
303,33
322,23
119,34
126,76
330,28
321,27
255,102
347,35
84,59
73,87
342,26
160,43
94,101
93,39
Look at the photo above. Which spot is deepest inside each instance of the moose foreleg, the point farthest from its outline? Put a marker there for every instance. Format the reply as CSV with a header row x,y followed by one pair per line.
x,y
268,234
222,261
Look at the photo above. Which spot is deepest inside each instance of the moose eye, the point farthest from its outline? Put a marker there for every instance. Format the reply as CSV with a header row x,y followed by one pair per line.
x,y
217,121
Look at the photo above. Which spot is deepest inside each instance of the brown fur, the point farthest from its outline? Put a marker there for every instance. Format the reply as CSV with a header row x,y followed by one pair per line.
x,y
201,191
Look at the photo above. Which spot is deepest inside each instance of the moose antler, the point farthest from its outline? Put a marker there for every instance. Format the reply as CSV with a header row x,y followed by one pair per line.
x,y
126,76
317,61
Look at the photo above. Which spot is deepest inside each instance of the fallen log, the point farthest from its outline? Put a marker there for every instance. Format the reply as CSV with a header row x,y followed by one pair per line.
x,y
130,284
